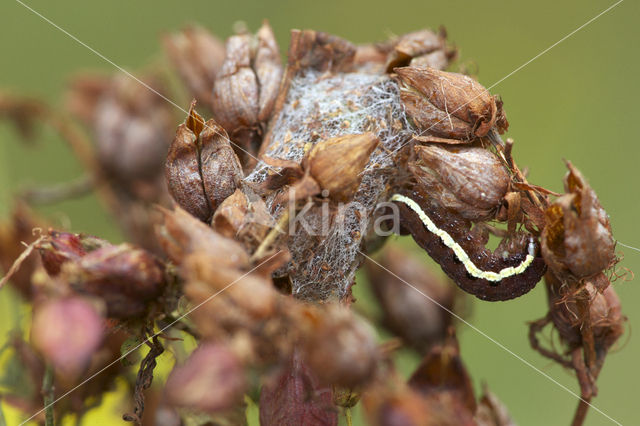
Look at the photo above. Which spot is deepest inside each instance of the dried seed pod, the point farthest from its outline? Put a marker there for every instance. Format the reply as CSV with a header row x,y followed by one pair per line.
x,y
61,247
230,216
421,324
67,332
201,168
604,316
577,241
337,163
133,128
182,168
449,105
211,380
469,180
491,411
438,60
219,165
338,347
124,277
414,44
320,51
268,68
181,234
247,85
295,397
84,95
443,372
198,57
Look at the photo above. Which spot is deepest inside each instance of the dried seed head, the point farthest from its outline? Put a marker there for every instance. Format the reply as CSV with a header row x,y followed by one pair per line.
x,y
124,277
337,163
198,57
604,314
469,180
415,44
577,240
247,85
295,397
67,332
133,128
211,380
339,347
201,168
449,105
419,324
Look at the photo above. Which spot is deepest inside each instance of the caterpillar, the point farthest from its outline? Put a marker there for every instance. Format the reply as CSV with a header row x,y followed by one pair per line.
x,y
490,276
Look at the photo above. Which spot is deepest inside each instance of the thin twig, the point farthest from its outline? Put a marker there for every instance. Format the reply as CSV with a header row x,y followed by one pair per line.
x,y
48,395
58,192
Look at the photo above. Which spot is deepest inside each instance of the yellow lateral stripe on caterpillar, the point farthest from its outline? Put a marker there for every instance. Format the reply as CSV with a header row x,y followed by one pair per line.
x,y
462,256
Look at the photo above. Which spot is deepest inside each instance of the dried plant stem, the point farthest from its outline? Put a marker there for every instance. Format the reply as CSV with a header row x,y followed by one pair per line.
x,y
347,415
48,395
77,141
271,237
58,192
16,264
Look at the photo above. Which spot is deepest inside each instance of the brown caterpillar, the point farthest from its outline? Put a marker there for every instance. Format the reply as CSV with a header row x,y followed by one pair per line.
x,y
508,276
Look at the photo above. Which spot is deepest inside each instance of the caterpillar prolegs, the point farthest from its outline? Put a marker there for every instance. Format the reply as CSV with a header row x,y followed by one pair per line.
x,y
492,276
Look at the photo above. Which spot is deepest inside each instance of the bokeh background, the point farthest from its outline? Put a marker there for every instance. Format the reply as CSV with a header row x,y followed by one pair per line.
x,y
579,101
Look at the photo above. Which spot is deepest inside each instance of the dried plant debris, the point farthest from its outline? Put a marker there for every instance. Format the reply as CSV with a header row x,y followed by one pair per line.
x,y
246,230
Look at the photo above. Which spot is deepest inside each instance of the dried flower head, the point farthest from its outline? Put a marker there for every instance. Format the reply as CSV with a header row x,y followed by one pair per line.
x,y
201,168
449,105
577,241
246,86
419,322
198,56
67,331
295,397
469,180
126,278
211,380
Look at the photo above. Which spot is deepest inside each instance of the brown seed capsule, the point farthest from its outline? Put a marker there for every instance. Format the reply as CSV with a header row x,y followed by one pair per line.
x,y
577,241
124,277
133,128
211,380
443,372
61,247
412,45
337,163
181,235
469,180
247,85
339,347
182,168
491,411
449,105
421,325
67,332
201,168
198,57
219,165
296,398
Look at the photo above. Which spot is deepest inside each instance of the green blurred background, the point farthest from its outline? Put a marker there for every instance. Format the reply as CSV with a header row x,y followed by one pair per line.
x,y
579,101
